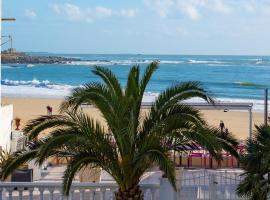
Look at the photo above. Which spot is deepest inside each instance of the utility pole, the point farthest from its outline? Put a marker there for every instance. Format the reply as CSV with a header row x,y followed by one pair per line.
x,y
10,38
8,19
265,106
10,42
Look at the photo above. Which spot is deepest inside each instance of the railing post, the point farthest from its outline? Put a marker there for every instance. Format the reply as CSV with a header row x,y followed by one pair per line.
x,y
212,187
178,174
82,194
102,193
30,190
20,193
41,193
1,194
51,190
166,190
10,190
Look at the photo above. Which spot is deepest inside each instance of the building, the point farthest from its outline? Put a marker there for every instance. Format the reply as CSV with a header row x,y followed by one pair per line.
x,y
6,118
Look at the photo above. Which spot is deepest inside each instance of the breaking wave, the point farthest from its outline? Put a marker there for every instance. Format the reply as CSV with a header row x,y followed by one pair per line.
x,y
35,83
47,89
121,62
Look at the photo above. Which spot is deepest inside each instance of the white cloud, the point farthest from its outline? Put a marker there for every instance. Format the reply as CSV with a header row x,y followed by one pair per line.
x,y
128,12
221,7
162,7
196,9
190,8
76,13
55,8
102,12
73,12
30,14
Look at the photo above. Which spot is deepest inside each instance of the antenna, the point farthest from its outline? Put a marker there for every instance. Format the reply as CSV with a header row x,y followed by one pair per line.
x,y
8,40
265,106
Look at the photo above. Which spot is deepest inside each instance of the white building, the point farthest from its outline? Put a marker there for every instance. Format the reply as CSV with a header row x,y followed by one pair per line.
x,y
6,118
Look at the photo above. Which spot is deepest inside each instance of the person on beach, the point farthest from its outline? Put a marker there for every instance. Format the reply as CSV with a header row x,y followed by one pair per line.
x,y
226,132
49,110
221,126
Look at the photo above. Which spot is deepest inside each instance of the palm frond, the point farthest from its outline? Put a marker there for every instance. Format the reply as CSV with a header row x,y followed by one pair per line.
x,y
256,163
78,162
19,159
109,78
151,68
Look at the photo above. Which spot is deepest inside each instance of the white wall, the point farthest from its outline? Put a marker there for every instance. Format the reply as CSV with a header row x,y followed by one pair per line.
x,y
6,118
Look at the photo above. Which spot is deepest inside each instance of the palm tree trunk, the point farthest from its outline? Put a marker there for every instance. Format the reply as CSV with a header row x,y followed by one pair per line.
x,y
133,193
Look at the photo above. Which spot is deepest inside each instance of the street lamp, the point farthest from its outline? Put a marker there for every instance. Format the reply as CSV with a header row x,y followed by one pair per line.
x,y
8,19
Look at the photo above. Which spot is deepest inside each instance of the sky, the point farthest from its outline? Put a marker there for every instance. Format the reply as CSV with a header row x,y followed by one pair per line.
x,y
213,27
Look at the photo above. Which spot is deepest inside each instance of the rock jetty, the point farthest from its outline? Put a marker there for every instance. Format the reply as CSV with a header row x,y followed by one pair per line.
x,y
24,58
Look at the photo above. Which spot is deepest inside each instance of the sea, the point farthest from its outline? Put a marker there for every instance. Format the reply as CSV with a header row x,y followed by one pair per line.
x,y
228,78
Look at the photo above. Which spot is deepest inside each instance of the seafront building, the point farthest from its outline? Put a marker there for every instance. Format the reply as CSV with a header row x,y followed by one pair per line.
x,y
11,140
6,127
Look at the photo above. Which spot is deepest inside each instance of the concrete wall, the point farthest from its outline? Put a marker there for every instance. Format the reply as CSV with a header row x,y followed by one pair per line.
x,y
6,118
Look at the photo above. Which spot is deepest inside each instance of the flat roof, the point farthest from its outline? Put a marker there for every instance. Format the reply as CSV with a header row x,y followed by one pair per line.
x,y
206,106
216,106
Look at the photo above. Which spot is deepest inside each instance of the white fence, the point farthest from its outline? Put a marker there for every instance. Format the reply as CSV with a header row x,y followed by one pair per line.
x,y
209,185
79,191
194,185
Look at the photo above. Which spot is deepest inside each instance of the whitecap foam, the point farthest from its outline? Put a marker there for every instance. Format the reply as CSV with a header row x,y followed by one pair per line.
x,y
120,62
88,63
205,62
171,62
29,91
11,66
30,65
34,83
45,88
6,67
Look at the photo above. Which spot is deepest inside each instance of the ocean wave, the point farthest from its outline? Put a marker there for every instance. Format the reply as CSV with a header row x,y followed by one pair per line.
x,y
247,84
121,62
236,83
184,61
170,62
205,62
36,83
6,67
46,89
30,65
11,66
262,62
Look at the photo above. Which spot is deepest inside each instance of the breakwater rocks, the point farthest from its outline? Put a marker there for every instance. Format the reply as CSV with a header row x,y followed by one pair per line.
x,y
23,58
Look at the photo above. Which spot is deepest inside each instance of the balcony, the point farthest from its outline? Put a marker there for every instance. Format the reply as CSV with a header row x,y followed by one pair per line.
x,y
191,184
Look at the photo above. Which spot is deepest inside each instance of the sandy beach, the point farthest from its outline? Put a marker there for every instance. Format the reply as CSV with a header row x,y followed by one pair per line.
x,y
29,108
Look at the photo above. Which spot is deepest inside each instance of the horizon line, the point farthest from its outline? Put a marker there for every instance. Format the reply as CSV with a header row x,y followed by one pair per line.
x,y
166,54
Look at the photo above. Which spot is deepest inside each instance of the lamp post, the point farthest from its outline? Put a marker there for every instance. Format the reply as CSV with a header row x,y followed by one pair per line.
x,y
265,106
8,19
10,38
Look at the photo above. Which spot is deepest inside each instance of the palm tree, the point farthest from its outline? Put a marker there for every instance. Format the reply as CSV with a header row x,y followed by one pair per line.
x,y
130,144
256,164
5,157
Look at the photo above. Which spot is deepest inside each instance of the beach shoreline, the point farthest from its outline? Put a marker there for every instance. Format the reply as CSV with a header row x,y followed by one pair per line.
x,y
29,108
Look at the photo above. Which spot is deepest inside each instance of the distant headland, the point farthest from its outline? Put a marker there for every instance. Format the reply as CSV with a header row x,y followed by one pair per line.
x,y
11,56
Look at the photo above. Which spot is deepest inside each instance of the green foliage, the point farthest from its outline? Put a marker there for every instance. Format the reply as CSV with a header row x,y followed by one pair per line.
x,y
131,144
256,163
5,157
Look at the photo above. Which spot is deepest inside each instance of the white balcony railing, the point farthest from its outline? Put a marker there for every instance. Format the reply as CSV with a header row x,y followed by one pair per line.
x,y
191,185
79,191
